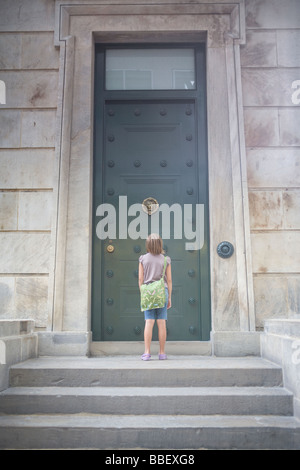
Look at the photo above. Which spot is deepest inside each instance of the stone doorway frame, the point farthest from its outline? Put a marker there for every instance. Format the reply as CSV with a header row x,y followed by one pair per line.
x,y
221,24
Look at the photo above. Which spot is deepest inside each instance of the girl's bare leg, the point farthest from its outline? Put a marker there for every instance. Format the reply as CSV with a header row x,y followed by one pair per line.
x,y
148,335
162,335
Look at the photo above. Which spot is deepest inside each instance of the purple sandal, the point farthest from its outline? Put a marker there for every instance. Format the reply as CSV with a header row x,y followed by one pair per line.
x,y
146,357
162,356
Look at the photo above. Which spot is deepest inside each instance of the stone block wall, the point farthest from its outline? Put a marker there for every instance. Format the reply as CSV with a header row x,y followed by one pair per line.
x,y
280,343
29,67
270,65
29,64
18,342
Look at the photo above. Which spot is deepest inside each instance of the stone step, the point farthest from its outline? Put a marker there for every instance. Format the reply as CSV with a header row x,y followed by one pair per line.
x,y
90,431
148,400
185,402
130,371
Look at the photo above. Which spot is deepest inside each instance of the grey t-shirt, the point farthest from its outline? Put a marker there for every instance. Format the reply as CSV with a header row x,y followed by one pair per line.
x,y
153,267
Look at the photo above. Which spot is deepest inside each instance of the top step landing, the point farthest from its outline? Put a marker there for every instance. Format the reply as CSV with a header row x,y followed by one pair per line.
x,y
132,371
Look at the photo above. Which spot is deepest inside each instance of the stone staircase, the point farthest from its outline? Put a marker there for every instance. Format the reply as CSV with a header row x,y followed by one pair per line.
x,y
186,402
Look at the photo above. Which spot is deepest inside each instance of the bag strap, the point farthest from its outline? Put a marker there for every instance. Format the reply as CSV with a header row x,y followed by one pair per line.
x,y
165,264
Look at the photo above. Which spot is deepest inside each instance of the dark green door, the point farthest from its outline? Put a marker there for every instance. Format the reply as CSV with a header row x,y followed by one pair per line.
x,y
150,150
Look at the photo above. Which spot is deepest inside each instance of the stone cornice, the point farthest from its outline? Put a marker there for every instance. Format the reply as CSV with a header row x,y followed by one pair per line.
x,y
233,10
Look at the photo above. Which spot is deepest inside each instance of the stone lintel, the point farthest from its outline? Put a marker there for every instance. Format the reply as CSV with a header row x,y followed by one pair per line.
x,y
234,11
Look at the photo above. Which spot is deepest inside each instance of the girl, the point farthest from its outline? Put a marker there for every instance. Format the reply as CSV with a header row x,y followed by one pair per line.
x,y
151,269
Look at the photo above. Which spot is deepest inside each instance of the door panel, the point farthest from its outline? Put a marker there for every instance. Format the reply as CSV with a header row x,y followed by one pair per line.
x,y
150,150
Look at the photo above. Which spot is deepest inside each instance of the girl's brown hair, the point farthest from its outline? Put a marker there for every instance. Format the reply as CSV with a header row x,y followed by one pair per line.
x,y
154,244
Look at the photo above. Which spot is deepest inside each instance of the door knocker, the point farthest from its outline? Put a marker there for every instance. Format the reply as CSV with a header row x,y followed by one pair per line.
x,y
150,205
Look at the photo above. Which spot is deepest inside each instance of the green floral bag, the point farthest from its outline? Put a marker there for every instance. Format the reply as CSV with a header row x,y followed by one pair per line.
x,y
153,295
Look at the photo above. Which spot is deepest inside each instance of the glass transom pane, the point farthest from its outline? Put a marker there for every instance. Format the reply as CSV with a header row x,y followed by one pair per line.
x,y
150,69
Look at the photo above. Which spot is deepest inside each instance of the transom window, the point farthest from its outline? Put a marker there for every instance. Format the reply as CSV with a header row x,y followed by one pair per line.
x,y
150,69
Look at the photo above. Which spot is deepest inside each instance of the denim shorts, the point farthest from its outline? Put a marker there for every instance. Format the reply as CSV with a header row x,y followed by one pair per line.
x,y
158,313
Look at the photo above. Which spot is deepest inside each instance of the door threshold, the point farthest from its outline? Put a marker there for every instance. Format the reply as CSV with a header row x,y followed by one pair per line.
x,y
122,348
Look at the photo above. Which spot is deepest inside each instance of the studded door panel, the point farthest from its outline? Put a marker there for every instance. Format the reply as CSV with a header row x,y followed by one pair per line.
x,y
150,150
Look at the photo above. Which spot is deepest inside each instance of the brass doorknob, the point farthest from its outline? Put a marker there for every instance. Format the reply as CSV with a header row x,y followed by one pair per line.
x,y
110,248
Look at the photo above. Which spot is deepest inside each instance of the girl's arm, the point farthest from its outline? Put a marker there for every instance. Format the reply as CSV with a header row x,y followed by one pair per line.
x,y
141,275
169,282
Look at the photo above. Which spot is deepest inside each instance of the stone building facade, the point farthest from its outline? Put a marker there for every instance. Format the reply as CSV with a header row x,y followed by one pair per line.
x,y
47,53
